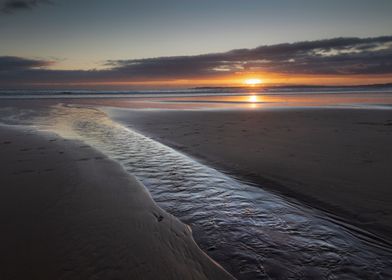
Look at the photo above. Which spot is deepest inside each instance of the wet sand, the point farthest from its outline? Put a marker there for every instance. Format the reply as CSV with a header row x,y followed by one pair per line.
x,y
337,160
68,212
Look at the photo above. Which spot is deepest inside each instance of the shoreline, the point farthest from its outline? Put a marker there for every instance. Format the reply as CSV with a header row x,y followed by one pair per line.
x,y
69,211
184,130
231,213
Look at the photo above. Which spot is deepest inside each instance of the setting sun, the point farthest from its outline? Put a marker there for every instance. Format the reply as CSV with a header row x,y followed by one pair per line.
x,y
252,82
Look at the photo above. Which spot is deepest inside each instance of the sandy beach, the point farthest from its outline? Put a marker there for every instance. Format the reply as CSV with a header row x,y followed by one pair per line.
x,y
68,212
195,140
336,160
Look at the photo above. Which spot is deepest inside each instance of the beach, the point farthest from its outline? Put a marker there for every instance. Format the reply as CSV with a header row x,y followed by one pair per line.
x,y
333,159
176,140
69,212
259,190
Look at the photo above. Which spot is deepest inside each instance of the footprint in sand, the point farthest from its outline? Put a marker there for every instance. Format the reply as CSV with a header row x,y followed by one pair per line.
x,y
24,171
158,217
83,159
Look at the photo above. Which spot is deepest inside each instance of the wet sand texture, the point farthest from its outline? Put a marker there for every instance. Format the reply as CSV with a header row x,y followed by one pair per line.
x,y
68,212
338,160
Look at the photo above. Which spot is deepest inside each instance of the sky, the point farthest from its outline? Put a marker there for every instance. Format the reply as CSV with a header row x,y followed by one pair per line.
x,y
87,43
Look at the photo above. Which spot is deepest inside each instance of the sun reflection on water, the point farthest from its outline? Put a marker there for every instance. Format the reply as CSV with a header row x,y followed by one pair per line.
x,y
253,98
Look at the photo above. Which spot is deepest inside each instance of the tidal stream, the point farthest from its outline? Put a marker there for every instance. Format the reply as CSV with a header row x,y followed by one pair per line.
x,y
251,232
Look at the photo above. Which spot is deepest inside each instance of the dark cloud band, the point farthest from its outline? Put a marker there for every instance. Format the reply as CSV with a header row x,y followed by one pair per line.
x,y
339,56
13,63
10,6
333,56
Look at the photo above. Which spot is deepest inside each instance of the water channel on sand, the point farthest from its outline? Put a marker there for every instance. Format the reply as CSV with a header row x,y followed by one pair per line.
x,y
253,233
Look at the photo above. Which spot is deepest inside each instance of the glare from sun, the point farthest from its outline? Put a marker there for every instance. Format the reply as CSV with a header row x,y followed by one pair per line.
x,y
253,82
253,98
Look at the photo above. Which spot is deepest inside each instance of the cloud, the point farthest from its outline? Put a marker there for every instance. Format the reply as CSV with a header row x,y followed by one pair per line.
x,y
338,56
13,63
341,56
10,6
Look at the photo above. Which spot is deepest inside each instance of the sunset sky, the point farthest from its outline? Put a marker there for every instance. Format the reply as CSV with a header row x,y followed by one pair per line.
x,y
181,43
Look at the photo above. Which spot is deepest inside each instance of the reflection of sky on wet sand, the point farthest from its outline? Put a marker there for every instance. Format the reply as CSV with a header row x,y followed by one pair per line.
x,y
292,100
248,228
245,101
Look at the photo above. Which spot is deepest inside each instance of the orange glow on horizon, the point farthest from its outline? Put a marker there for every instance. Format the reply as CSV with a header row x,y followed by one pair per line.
x,y
234,80
253,82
